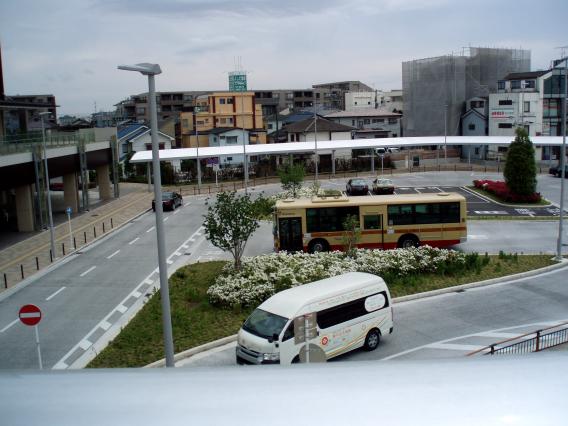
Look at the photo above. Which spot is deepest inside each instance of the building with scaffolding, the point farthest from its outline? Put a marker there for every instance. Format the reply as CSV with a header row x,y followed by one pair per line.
x,y
437,88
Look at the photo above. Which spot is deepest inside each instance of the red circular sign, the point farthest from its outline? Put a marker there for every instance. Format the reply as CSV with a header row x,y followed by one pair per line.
x,y
30,314
324,340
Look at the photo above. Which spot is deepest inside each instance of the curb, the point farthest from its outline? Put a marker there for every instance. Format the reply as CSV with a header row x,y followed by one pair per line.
x,y
486,198
4,294
501,280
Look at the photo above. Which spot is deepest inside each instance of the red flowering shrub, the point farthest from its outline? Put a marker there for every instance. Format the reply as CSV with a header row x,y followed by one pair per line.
x,y
502,191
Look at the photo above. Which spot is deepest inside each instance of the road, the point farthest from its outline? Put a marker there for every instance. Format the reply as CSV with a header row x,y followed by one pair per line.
x,y
89,297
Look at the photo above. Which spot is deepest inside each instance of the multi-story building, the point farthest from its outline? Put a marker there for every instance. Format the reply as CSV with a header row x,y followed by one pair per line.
x,y
435,89
223,118
20,113
391,100
168,105
333,96
369,122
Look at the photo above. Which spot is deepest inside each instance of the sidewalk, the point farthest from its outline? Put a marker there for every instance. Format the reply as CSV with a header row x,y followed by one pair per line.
x,y
26,257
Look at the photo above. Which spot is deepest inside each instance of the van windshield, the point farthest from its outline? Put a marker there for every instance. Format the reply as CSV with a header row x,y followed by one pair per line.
x,y
264,324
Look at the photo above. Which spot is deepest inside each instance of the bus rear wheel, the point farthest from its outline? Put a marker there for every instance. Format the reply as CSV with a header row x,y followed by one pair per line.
x,y
317,246
372,340
408,241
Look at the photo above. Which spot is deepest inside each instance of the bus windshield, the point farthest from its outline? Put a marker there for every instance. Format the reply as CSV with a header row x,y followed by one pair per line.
x,y
264,324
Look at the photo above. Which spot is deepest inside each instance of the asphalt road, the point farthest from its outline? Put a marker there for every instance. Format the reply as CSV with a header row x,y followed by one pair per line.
x,y
88,298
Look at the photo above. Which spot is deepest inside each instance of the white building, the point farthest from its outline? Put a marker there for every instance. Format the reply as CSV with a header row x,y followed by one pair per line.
x,y
137,137
390,101
370,122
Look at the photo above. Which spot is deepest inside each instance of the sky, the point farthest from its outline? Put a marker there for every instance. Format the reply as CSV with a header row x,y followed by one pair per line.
x,y
72,48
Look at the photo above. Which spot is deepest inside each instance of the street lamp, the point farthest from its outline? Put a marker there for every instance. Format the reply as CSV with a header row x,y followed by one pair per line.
x,y
151,70
316,133
562,161
446,134
51,229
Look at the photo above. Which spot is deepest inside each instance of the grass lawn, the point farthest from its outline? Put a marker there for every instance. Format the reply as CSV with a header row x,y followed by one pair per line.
x,y
542,202
196,322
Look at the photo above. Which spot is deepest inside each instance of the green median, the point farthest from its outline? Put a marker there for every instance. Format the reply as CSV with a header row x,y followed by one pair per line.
x,y
195,321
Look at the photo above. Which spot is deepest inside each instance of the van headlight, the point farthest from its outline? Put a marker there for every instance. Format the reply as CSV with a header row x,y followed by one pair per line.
x,y
271,357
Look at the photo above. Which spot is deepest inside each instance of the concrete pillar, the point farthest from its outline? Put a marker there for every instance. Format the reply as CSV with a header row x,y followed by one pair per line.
x,y
103,182
70,192
25,208
333,162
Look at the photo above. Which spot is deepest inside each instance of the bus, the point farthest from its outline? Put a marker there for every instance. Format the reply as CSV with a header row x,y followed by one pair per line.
x,y
386,222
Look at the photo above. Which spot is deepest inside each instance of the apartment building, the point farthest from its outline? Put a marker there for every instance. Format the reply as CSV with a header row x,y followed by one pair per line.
x,y
370,122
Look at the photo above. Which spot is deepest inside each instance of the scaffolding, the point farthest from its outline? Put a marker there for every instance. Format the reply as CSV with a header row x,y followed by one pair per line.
x,y
437,87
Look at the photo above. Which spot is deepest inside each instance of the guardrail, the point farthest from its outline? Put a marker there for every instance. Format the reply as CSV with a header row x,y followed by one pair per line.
x,y
543,339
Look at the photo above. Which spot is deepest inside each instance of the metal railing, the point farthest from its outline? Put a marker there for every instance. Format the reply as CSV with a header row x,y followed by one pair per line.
x,y
541,339
25,142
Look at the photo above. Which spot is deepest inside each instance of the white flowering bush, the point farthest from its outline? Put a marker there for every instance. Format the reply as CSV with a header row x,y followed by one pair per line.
x,y
303,192
262,276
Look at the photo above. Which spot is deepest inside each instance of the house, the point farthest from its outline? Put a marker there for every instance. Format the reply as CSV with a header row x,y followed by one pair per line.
x,y
370,122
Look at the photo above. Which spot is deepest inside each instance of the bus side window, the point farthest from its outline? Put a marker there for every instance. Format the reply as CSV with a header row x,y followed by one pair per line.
x,y
289,333
372,222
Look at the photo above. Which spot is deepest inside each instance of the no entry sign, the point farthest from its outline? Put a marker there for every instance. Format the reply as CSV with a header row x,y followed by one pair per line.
x,y
30,314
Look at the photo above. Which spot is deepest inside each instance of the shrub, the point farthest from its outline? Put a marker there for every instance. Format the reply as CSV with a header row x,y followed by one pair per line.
x,y
502,191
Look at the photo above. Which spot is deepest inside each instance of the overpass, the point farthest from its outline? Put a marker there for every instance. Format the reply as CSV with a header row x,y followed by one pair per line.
x,y
70,157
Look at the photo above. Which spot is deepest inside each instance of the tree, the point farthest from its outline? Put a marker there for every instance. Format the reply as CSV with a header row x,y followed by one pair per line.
x,y
351,235
291,178
520,166
230,222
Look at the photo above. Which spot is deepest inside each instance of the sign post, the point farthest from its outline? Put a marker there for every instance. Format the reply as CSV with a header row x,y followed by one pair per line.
x,y
69,210
305,329
30,315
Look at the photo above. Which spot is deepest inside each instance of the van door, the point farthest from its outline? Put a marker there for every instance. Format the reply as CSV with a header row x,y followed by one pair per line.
x,y
290,230
288,349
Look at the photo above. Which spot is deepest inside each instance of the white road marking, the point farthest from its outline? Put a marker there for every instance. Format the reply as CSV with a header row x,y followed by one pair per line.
x,y
192,240
85,344
134,240
121,308
105,325
187,204
166,218
455,347
151,229
176,212
148,281
114,254
87,271
497,335
136,294
169,262
490,212
477,237
55,294
9,325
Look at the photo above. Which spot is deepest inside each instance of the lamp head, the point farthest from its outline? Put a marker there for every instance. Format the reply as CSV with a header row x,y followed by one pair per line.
x,y
144,68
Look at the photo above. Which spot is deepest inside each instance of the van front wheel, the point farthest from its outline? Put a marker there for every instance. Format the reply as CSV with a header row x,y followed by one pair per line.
x,y
372,340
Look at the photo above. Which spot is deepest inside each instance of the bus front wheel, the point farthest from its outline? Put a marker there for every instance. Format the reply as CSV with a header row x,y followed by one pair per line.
x,y
408,241
317,246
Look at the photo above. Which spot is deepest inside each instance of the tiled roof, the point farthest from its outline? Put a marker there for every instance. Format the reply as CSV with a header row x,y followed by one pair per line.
x,y
323,125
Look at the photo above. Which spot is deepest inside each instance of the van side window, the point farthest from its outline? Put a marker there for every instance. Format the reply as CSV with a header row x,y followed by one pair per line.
x,y
289,333
345,312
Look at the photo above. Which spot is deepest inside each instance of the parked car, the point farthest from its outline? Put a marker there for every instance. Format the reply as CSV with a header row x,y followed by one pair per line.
x,y
357,186
554,170
170,200
383,186
559,171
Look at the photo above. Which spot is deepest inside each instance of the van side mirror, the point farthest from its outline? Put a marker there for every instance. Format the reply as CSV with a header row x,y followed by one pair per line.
x,y
274,338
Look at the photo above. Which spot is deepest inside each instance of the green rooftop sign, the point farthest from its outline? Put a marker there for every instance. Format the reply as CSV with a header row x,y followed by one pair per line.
x,y
237,81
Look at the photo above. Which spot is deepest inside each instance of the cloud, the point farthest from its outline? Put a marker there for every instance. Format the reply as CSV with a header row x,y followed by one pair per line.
x,y
198,45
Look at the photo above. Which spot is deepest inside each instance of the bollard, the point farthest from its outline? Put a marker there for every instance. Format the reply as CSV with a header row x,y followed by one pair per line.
x,y
22,270
95,231
209,189
37,263
103,227
111,224
50,256
85,235
74,243
234,186
5,281
63,248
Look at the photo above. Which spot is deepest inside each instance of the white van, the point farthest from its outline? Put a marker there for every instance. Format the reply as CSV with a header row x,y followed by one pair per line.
x,y
353,310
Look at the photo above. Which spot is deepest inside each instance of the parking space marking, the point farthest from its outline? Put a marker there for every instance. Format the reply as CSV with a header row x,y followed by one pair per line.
x,y
134,240
10,325
455,347
114,254
87,271
55,294
151,229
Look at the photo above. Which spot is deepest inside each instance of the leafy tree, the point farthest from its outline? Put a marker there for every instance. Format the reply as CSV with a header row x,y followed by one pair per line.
x,y
291,178
351,235
230,222
520,166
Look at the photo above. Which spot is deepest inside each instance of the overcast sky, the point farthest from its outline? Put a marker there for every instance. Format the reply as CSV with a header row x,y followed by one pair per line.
x,y
71,48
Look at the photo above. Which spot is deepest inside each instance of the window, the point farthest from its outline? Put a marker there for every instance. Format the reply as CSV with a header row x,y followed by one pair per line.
x,y
230,120
353,122
530,84
366,121
505,125
231,140
140,110
471,126
292,137
125,149
230,101
346,311
355,102
369,103
372,222
223,120
516,84
476,151
289,96
407,214
505,102
501,85
526,106
185,122
222,101
200,122
229,158
392,120
270,126
328,219
289,333
551,108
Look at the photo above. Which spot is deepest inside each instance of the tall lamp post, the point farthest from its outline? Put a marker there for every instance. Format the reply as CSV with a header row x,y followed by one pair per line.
x,y
562,161
316,134
51,229
151,70
446,134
